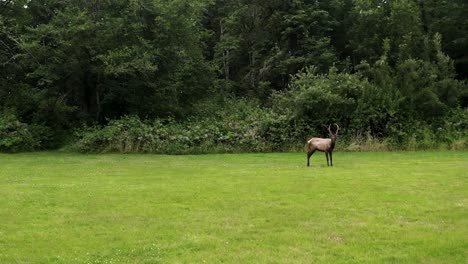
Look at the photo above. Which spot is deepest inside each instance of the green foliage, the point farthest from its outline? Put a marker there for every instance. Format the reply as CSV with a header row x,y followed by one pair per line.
x,y
245,127
260,43
319,99
387,109
18,135
91,62
382,69
14,135
240,127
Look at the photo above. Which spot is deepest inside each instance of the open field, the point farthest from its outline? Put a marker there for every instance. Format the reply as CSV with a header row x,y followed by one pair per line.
x,y
401,207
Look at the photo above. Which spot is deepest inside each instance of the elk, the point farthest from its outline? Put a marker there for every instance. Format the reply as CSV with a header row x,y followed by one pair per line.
x,y
323,144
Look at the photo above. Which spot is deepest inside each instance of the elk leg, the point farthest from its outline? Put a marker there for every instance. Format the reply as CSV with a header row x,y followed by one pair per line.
x,y
309,153
326,155
331,159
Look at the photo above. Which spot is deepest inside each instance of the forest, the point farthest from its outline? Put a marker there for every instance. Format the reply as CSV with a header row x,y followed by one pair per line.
x,y
204,76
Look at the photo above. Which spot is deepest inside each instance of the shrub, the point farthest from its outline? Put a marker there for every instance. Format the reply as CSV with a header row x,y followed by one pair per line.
x,y
250,128
235,128
14,135
128,134
319,99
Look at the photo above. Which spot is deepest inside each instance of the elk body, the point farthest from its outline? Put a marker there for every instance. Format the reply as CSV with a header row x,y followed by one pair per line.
x,y
323,144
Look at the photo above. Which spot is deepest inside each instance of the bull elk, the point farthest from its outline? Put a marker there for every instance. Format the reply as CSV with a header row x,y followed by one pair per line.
x,y
323,144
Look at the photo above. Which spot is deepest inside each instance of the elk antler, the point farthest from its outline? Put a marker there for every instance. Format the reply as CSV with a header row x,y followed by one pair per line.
x,y
337,128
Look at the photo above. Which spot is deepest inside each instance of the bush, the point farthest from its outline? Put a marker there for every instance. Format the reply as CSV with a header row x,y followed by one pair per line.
x,y
128,134
239,127
319,99
16,136
243,126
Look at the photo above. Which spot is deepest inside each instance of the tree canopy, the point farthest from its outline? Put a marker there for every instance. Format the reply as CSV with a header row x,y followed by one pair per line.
x,y
373,63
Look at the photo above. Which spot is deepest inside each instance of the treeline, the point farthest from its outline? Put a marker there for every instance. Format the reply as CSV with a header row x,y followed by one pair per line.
x,y
176,76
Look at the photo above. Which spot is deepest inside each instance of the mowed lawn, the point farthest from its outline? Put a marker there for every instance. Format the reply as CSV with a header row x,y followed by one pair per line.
x,y
385,207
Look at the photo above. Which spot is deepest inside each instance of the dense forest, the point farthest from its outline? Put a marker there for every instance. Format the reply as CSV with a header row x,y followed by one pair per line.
x,y
177,76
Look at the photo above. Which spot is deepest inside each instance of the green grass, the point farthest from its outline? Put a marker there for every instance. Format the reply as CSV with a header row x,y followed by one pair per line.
x,y
400,207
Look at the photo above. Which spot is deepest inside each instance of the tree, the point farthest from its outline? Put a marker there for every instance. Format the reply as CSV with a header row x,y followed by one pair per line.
x,y
260,43
96,59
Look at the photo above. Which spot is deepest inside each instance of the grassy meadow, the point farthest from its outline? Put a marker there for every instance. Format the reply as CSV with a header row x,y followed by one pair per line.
x,y
383,207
